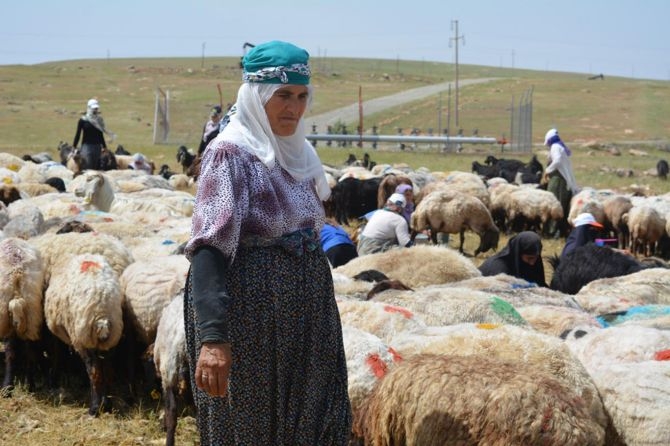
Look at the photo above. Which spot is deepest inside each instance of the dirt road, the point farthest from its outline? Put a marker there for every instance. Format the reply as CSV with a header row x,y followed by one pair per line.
x,y
349,113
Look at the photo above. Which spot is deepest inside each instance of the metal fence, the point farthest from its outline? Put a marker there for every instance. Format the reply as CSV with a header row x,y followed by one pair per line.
x,y
521,125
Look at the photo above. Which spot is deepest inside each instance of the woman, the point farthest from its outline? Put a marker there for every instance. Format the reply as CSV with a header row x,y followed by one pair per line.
x,y
386,228
522,258
560,177
91,130
586,230
337,244
211,129
408,192
263,330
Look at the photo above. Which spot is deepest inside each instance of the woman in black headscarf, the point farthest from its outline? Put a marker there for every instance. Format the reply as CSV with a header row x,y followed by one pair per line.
x,y
522,258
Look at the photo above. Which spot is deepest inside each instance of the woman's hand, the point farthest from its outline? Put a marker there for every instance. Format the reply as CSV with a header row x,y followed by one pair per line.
x,y
213,369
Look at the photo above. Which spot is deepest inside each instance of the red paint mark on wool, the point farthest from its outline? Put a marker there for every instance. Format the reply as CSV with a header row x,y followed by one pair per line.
x,y
404,311
397,357
663,355
377,366
74,209
86,265
546,419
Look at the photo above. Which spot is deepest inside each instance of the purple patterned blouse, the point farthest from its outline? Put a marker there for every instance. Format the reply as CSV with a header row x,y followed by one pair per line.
x,y
238,197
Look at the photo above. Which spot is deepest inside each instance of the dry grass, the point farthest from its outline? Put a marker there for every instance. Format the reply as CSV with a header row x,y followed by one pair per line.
x,y
41,419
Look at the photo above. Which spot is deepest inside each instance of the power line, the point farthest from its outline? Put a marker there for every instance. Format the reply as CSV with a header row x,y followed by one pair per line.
x,y
455,39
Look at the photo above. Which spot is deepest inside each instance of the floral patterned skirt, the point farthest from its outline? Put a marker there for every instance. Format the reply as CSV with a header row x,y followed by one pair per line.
x,y
288,381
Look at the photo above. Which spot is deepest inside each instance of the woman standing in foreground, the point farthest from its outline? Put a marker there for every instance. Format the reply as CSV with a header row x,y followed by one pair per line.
x,y
262,326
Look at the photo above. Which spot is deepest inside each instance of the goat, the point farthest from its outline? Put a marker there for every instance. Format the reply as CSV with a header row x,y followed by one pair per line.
x,y
185,158
165,172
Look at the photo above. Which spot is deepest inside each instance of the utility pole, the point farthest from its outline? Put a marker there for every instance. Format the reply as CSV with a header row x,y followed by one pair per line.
x,y
202,60
455,39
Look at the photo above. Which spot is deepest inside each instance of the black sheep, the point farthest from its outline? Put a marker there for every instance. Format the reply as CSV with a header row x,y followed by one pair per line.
x,y
57,183
662,169
588,263
121,151
487,172
165,172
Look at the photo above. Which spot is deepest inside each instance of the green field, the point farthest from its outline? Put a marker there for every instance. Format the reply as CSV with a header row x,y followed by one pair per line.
x,y
41,103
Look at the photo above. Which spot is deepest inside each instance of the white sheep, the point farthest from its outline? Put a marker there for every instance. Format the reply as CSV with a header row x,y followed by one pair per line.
x,y
21,310
381,319
636,398
441,305
55,247
618,345
11,162
83,308
52,205
464,182
453,212
148,287
646,287
98,192
368,360
170,358
587,200
556,320
416,266
516,291
25,220
529,208
631,378
646,226
22,273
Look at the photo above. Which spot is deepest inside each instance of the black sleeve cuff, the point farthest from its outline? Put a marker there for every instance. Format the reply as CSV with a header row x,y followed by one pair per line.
x,y
211,300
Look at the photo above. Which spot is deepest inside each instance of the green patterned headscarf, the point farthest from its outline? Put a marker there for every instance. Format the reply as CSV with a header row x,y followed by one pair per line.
x,y
276,62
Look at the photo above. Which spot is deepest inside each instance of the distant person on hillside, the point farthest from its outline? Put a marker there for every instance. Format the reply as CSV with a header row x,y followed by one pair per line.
x,y
91,129
559,177
211,128
337,244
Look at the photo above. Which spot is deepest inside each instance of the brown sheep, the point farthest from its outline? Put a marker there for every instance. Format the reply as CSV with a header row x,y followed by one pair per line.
x,y
387,187
452,400
453,212
9,194
615,208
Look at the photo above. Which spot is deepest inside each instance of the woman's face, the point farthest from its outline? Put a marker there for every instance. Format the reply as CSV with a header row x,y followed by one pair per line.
x,y
285,108
530,259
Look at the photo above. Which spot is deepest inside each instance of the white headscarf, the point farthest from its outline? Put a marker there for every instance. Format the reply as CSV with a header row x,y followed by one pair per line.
x,y
93,116
250,129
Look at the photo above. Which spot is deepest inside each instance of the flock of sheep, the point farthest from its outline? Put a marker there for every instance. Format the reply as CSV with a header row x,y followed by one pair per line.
x,y
436,353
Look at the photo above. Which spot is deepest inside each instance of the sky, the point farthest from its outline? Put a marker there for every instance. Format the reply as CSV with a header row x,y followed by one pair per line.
x,y
629,38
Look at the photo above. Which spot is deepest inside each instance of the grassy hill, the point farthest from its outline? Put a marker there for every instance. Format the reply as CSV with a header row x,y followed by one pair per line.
x,y
41,104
